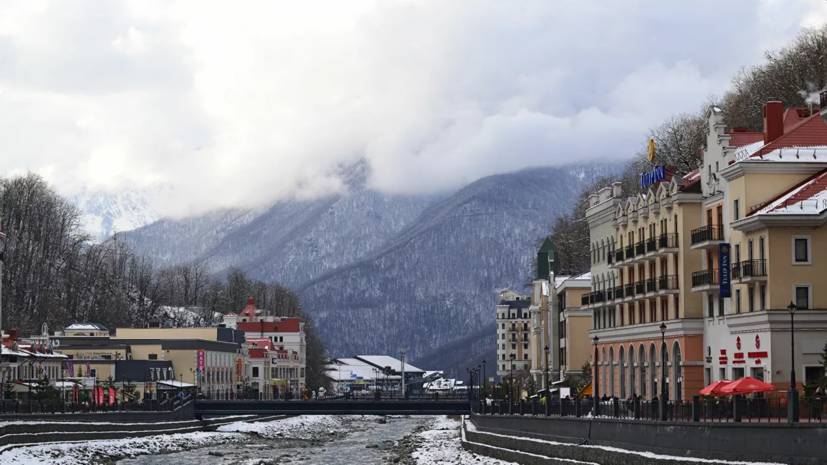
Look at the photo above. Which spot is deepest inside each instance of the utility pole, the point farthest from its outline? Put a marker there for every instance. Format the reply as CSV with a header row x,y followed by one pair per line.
x,y
403,373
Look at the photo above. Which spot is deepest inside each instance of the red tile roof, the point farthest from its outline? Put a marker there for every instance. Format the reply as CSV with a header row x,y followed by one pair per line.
x,y
286,325
738,138
810,132
257,353
806,189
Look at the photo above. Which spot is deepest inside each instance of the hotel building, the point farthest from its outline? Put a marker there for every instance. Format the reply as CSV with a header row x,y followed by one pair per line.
x,y
513,322
763,244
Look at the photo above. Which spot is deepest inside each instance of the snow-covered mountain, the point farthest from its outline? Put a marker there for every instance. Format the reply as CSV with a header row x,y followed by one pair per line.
x,y
105,213
381,272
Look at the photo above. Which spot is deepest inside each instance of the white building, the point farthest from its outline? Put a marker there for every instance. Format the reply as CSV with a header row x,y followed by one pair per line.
x,y
513,330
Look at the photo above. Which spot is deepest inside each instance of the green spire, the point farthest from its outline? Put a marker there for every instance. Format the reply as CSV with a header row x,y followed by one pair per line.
x,y
547,260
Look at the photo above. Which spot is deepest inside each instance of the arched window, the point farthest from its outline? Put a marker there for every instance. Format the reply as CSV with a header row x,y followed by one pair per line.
x,y
622,374
632,385
611,389
652,371
642,370
677,375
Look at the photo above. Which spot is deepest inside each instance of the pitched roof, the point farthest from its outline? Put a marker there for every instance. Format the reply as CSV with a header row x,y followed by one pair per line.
x,y
249,310
807,197
810,132
740,138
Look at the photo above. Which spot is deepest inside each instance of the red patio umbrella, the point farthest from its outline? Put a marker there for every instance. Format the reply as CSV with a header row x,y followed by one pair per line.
x,y
746,385
714,389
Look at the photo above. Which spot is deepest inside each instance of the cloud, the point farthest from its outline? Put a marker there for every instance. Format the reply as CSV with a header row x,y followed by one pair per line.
x,y
240,104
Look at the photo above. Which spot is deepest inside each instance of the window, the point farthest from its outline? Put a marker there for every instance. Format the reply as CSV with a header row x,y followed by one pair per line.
x,y
710,305
801,250
802,296
736,210
751,298
722,373
737,300
255,372
737,373
720,306
757,373
762,296
153,357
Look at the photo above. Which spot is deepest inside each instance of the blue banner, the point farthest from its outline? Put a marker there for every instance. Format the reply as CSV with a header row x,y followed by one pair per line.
x,y
724,270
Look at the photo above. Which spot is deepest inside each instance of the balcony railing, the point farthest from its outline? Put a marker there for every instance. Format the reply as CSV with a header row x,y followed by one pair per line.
x,y
618,292
640,248
651,285
640,288
707,233
749,269
705,278
668,241
619,256
629,290
610,294
667,283
584,300
651,245
609,258
630,251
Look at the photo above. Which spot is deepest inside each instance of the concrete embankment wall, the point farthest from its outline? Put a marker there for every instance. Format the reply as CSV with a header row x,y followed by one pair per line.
x,y
640,441
21,430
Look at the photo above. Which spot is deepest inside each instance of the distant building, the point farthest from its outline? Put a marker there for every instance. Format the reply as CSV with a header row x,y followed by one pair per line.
x,y
288,342
513,321
374,372
573,322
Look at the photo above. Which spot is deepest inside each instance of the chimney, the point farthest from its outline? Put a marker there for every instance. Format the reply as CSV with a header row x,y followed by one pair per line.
x,y
773,120
617,190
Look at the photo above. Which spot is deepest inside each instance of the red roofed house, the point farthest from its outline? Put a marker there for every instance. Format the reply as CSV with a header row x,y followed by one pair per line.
x,y
764,201
277,351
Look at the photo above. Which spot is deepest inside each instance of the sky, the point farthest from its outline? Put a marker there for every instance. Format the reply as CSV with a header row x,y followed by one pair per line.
x,y
241,103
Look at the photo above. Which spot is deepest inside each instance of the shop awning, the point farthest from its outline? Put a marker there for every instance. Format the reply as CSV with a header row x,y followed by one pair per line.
x,y
171,383
714,389
746,385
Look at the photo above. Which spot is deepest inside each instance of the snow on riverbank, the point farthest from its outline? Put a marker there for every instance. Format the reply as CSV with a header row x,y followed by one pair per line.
x,y
441,446
103,451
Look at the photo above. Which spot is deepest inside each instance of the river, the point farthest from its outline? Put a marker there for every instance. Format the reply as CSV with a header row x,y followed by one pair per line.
x,y
367,440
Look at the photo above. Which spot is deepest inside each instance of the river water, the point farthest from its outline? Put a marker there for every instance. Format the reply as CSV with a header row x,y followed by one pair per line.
x,y
360,441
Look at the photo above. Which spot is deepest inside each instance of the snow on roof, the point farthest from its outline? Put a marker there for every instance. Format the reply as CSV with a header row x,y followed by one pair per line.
x,y
558,280
808,198
355,372
381,361
810,132
85,327
6,351
175,383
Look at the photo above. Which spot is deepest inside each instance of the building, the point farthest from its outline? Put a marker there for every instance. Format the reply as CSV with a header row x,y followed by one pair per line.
x,y
513,320
573,322
646,289
540,344
367,373
761,238
288,339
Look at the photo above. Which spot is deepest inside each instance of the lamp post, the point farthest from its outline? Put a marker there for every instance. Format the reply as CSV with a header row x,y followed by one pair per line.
x,y
479,380
484,381
2,261
792,393
511,386
545,384
663,372
595,387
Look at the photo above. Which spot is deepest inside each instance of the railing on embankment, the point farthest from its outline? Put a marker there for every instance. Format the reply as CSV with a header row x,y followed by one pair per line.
x,y
333,407
21,430
592,439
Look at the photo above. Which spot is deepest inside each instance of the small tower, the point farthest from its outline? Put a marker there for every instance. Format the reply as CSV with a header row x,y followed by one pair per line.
x,y
547,260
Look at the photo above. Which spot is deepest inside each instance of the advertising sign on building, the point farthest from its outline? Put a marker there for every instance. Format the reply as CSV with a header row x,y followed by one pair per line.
x,y
723,270
201,361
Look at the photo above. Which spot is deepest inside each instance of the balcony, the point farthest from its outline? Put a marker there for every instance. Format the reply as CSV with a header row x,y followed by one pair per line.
x,y
667,284
651,285
640,248
630,252
705,280
618,292
749,271
651,245
707,236
628,291
668,242
618,255
640,288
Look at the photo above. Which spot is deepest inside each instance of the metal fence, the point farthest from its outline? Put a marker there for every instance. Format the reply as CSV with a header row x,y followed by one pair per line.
x,y
56,406
720,410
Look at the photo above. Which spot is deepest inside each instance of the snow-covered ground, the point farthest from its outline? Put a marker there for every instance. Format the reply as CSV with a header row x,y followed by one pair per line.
x,y
441,446
86,452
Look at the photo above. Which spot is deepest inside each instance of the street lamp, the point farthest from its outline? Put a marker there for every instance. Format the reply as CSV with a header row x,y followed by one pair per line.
x,y
545,350
595,387
792,394
663,372
511,386
2,262
484,381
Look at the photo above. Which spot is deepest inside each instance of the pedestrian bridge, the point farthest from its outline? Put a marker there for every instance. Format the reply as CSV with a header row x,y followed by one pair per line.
x,y
332,407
